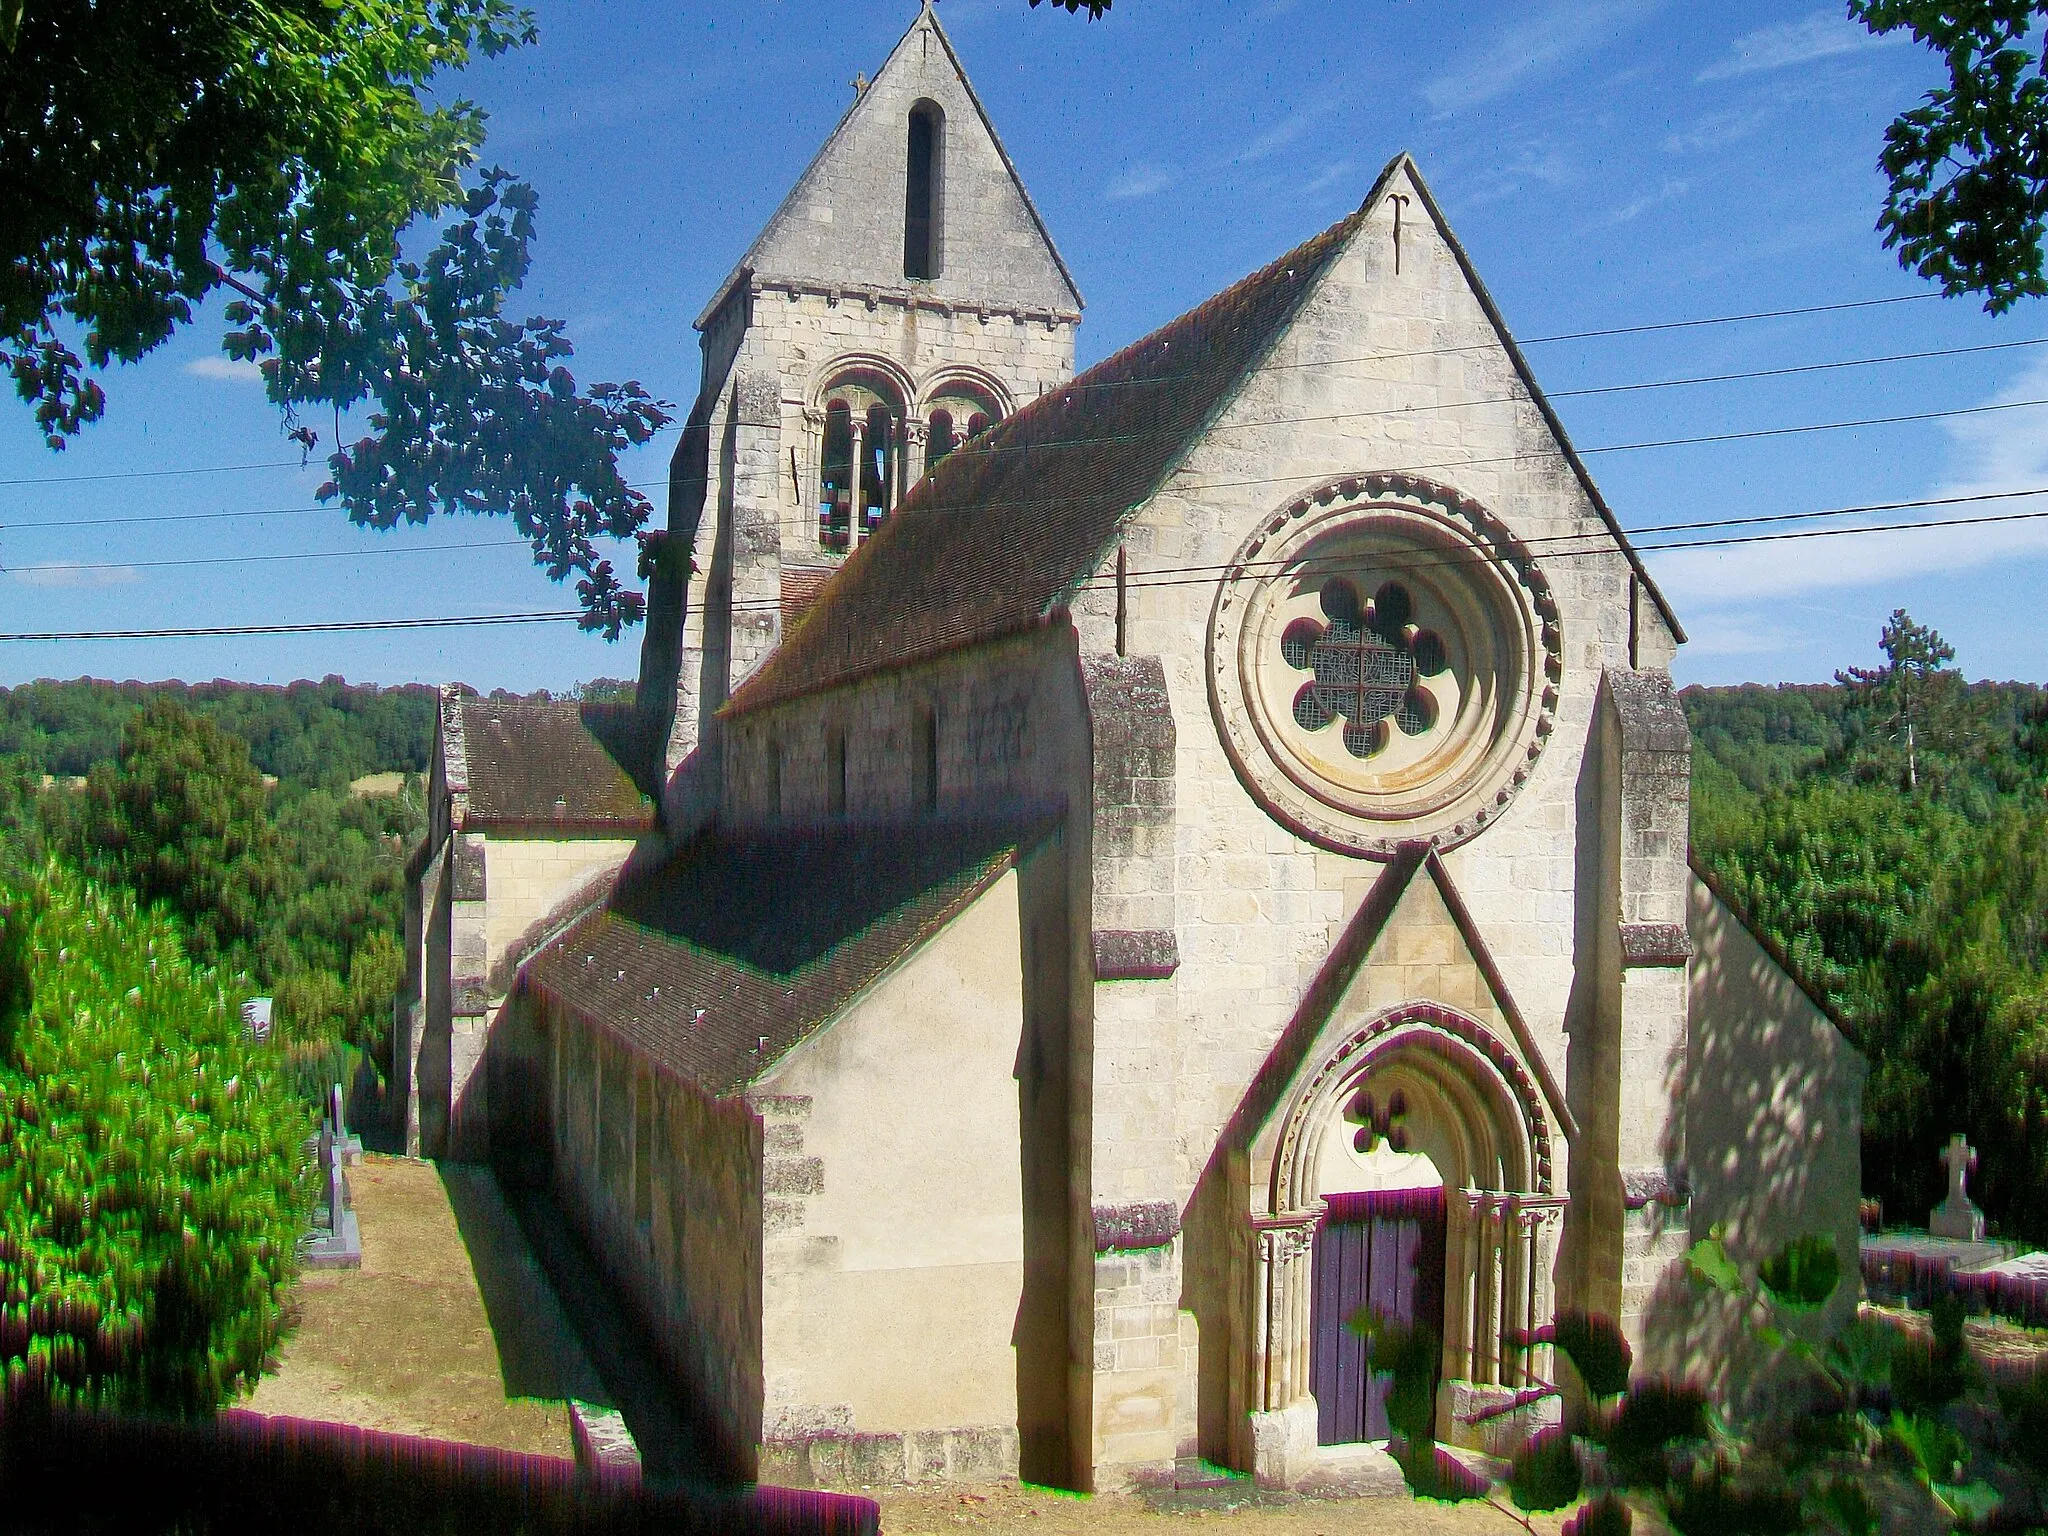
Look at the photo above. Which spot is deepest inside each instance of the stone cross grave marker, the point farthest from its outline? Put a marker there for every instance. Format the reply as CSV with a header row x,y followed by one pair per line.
x,y
336,1241
1958,1216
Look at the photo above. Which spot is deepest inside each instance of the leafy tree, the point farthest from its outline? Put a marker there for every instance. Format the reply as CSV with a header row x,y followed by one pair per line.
x,y
181,818
151,1176
151,155
1969,167
1915,684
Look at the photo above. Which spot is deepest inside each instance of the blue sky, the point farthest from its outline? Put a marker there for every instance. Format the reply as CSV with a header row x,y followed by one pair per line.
x,y
1606,163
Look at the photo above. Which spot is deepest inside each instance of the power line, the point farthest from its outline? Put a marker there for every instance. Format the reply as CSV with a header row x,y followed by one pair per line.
x,y
1530,341
339,626
1719,437
317,554
1538,542
1592,541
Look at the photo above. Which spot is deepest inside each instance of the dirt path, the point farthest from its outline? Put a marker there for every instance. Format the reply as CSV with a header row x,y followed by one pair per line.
x,y
447,1330
998,1510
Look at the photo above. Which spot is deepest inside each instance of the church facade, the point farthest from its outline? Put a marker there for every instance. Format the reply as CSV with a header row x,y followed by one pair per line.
x,y
1107,878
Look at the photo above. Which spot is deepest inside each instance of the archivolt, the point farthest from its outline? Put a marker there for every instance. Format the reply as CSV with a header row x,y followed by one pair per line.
x,y
1497,1082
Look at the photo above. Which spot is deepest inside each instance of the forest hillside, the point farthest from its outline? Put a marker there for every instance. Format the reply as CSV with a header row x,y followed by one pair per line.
x,y
1890,831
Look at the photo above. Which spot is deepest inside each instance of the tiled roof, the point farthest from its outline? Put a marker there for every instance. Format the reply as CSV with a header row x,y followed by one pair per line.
x,y
770,935
558,764
800,587
996,537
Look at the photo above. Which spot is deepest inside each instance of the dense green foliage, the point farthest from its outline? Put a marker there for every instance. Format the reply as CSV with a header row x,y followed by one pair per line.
x,y
297,887
1968,167
323,733
1890,834
151,1183
1839,1429
153,154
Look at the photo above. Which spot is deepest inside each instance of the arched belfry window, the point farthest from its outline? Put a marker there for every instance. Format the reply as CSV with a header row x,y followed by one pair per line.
x,y
861,469
939,440
954,412
922,186
835,490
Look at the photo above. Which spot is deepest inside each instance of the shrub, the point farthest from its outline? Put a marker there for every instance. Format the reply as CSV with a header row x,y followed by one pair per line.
x,y
152,1182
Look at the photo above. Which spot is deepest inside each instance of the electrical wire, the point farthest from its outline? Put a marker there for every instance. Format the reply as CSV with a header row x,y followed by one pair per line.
x,y
1532,341
1015,503
1591,541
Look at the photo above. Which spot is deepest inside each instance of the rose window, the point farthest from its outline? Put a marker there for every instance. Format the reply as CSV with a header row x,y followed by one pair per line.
x,y
1370,663
1384,661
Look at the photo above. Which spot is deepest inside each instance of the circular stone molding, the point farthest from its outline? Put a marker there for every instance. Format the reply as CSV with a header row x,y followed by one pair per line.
x,y
1384,661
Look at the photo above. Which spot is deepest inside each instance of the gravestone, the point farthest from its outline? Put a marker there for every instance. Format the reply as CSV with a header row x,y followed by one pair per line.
x,y
336,1241
1957,1216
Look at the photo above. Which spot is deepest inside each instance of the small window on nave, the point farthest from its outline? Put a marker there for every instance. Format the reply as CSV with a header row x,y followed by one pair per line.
x,y
922,184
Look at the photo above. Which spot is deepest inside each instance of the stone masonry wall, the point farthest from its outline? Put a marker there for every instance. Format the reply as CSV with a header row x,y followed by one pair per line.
x,y
667,1187
1382,371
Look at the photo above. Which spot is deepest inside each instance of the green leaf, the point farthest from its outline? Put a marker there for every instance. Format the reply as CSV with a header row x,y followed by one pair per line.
x,y
1844,1503
1709,1260
1937,1451
1545,1474
1972,1503
1803,1274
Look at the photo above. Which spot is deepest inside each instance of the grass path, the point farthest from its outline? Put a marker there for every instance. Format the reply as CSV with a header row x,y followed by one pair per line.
x,y
407,1343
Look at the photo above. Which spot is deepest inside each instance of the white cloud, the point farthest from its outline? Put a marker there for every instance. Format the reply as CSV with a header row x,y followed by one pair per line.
x,y
1634,209
1548,37
1328,177
57,575
1737,634
1287,131
1142,180
2000,452
1823,35
231,369
1717,129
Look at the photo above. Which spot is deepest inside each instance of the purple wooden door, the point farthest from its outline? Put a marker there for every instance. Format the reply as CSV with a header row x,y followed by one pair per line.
x,y
1383,1250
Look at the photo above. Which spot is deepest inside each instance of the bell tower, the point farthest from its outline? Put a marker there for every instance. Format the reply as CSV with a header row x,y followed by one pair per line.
x,y
905,296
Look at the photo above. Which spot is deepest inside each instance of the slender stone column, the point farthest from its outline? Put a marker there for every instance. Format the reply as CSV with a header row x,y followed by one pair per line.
x,y
810,489
1471,1310
1522,1242
1547,1217
1495,1281
857,496
1283,1344
916,444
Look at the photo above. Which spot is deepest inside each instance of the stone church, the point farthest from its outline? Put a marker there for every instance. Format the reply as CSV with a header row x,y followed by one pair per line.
x,y
1105,878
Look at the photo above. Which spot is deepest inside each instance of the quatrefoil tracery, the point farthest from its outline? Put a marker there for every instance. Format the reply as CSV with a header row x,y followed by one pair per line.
x,y
1377,1123
1366,660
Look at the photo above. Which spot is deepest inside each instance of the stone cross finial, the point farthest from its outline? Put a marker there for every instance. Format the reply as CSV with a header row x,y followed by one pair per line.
x,y
1957,1216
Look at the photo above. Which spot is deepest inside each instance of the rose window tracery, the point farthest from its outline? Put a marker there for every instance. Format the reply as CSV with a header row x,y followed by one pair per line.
x,y
1371,667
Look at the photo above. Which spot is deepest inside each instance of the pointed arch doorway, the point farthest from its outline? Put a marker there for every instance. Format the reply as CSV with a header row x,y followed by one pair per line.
x,y
1412,1159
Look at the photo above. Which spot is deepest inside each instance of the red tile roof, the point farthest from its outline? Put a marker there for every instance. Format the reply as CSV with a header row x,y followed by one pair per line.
x,y
770,935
